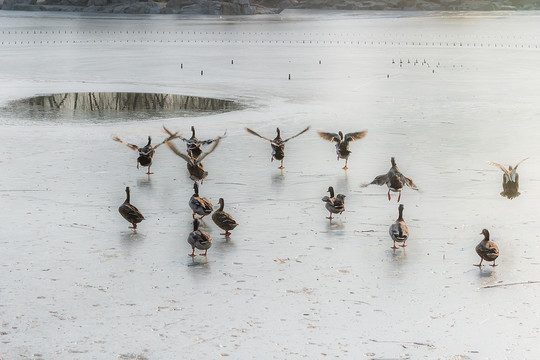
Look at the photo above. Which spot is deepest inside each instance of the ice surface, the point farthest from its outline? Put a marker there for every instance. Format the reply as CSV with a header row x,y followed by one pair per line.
x,y
442,92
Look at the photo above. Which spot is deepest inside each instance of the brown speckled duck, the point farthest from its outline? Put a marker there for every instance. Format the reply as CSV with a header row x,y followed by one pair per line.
x,y
200,206
335,205
146,153
487,250
399,231
278,144
223,219
394,179
194,164
342,142
130,212
199,239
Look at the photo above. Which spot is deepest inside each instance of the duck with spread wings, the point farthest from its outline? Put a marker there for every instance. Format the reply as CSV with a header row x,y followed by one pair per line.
x,y
510,179
394,179
146,153
342,142
194,163
278,144
194,145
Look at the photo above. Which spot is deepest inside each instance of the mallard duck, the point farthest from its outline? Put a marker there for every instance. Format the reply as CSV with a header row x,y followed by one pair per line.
x,y
194,164
200,206
146,153
335,205
130,212
194,145
342,142
486,249
394,179
399,231
510,179
199,239
278,144
223,219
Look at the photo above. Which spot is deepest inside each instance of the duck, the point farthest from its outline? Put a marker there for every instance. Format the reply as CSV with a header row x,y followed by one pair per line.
x,y
194,163
399,231
146,153
130,212
277,144
223,219
510,179
194,145
394,179
335,205
199,239
200,206
486,249
342,142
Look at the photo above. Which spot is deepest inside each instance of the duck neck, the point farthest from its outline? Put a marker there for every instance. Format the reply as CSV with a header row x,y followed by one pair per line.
x,y
221,205
400,217
149,141
193,132
195,225
127,195
331,191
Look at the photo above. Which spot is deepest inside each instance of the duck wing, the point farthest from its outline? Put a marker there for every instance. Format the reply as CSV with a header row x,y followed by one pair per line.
x,y
254,133
206,153
300,133
329,136
131,146
515,167
171,136
355,135
501,167
177,152
409,182
379,180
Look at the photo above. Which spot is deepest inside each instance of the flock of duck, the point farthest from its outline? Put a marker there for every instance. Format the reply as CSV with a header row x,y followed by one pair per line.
x,y
335,204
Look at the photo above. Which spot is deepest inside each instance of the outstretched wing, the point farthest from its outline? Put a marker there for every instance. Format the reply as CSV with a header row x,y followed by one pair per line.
x,y
409,182
329,136
355,135
177,152
300,133
172,136
209,141
515,167
254,133
131,146
500,167
206,153
379,180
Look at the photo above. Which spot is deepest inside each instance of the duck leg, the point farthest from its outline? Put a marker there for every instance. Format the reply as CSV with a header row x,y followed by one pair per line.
x,y
148,172
399,196
403,245
493,264
330,217
281,166
480,263
226,233
193,253
388,195
345,167
394,247
205,251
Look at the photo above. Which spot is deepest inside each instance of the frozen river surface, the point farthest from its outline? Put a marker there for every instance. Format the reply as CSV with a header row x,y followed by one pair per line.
x,y
443,93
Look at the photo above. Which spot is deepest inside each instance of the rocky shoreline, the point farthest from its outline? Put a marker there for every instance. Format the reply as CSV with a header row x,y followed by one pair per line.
x,y
252,7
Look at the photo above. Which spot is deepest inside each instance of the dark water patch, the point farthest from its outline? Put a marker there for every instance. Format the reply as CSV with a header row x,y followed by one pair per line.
x,y
113,107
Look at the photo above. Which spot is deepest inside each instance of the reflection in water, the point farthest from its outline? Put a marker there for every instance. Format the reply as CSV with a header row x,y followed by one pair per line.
x,y
144,182
107,105
131,238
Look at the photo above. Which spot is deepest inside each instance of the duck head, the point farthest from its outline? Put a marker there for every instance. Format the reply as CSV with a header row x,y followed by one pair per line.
x,y
393,161
486,234
149,141
340,135
196,224
127,193
331,191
